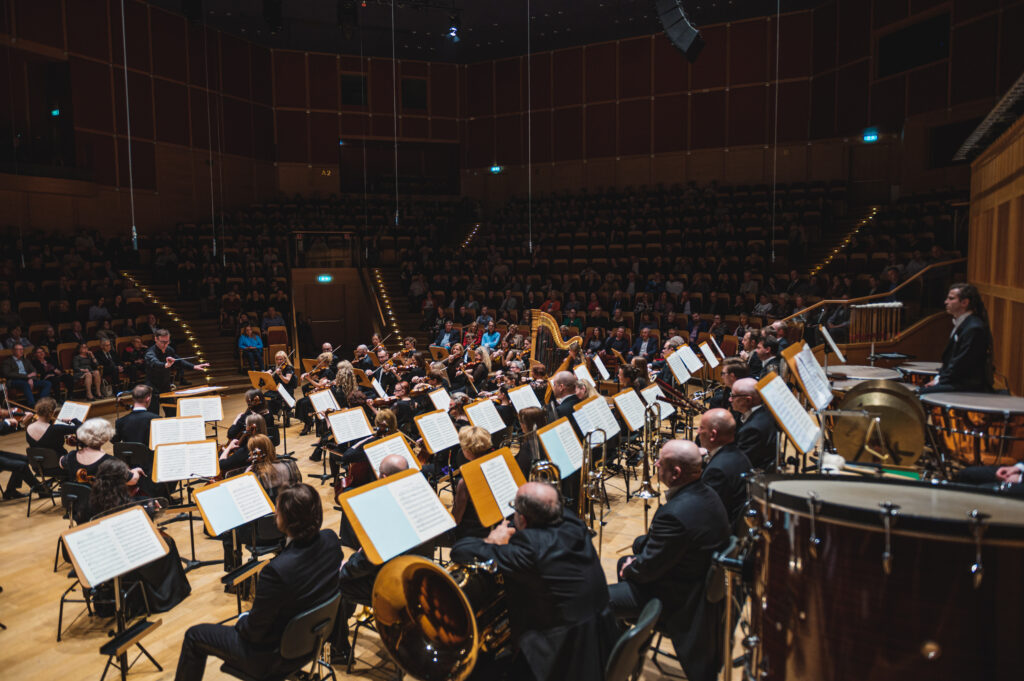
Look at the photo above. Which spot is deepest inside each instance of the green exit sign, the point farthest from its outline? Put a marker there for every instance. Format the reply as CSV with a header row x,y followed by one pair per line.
x,y
325,278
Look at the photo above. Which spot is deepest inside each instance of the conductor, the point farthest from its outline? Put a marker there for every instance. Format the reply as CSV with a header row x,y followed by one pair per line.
x,y
159,359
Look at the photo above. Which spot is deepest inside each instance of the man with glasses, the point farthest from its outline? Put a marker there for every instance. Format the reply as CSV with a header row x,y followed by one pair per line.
x,y
561,622
758,436
672,560
733,369
160,358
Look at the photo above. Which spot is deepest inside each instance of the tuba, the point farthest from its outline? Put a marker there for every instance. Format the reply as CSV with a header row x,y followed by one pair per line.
x,y
436,623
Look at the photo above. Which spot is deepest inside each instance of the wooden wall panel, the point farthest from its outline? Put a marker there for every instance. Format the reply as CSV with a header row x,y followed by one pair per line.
x,y
996,240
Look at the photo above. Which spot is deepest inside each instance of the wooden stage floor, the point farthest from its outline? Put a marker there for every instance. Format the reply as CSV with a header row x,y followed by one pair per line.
x,y
31,590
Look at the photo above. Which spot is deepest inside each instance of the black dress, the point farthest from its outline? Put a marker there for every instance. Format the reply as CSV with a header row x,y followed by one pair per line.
x,y
53,437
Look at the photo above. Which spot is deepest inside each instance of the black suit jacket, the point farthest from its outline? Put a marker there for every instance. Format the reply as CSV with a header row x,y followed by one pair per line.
x,y
965,361
758,439
724,474
304,575
557,596
134,427
672,562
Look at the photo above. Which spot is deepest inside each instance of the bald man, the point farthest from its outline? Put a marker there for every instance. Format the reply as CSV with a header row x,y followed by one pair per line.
x,y
758,436
725,471
555,587
563,388
671,562
357,575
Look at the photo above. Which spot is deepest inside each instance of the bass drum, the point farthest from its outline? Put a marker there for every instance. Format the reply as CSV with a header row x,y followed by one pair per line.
x,y
887,581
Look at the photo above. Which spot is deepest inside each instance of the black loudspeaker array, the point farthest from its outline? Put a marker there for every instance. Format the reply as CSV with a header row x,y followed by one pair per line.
x,y
679,29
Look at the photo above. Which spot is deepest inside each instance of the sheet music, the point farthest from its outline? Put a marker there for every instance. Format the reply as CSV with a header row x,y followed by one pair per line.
x,y
185,461
503,485
790,415
349,425
563,447
484,414
438,430
285,395
441,399
832,344
595,414
523,397
583,374
813,377
378,388
421,506
115,545
377,450
400,515
676,366
210,408
323,401
631,408
651,394
73,410
169,431
602,370
690,359
717,347
233,502
705,350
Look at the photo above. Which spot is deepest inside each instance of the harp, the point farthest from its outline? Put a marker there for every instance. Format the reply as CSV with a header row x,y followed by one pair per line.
x,y
549,348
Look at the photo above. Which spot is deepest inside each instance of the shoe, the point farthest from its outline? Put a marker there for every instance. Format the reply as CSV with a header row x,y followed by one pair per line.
x,y
14,494
306,430
340,657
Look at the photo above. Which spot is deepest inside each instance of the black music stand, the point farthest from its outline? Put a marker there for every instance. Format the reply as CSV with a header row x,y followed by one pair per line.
x,y
192,563
126,637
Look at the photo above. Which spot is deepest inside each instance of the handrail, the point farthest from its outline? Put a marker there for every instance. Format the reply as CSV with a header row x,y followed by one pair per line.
x,y
365,278
876,296
845,241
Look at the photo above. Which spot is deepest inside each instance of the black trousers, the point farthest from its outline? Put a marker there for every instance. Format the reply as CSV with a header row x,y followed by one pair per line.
x,y
203,640
20,471
354,591
625,598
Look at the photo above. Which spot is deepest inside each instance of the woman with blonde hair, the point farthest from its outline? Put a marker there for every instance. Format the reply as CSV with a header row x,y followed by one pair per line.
x,y
83,463
474,442
273,474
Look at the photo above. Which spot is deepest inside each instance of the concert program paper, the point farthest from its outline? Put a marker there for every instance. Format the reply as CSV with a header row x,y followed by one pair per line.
x,y
111,546
73,410
171,431
230,503
484,414
798,424
523,397
396,514
210,408
631,408
441,399
377,450
705,350
562,446
185,461
813,378
503,485
437,430
690,359
677,367
323,401
583,374
349,425
651,394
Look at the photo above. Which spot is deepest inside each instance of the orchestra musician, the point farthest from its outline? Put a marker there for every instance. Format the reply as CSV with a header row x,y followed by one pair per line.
x,y
45,431
318,378
302,576
749,352
284,374
474,442
672,560
558,602
563,389
83,463
134,426
235,453
727,465
733,369
967,358
767,350
16,464
362,358
255,404
531,420
758,434
354,457
160,358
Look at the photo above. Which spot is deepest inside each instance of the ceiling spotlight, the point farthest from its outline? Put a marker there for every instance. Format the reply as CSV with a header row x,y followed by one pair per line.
x,y
454,26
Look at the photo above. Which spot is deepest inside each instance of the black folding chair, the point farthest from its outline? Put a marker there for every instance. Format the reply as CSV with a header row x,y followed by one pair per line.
x,y
45,464
627,658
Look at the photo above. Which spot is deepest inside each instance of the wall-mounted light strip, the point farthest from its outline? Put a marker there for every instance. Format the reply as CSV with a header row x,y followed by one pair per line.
x,y
845,242
390,320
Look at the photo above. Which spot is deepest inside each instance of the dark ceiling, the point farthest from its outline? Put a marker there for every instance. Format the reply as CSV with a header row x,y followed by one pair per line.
x,y
489,28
